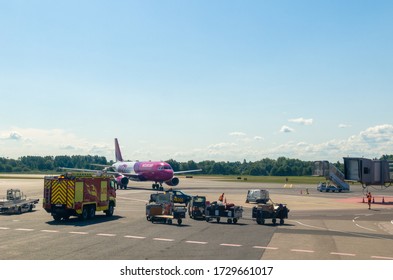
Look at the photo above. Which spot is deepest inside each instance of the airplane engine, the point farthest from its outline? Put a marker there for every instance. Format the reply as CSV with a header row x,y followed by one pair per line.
x,y
122,180
173,182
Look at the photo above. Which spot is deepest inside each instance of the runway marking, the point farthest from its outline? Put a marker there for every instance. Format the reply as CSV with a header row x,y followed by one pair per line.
x,y
231,245
197,242
356,224
4,228
383,258
78,232
134,237
346,232
24,229
164,239
266,248
48,230
342,254
106,234
302,251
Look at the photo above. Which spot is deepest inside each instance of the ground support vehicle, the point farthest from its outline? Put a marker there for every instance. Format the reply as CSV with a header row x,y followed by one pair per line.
x,y
161,208
226,211
323,187
197,207
78,194
272,211
16,203
257,196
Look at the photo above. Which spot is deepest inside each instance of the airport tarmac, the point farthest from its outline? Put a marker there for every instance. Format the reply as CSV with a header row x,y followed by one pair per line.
x,y
321,226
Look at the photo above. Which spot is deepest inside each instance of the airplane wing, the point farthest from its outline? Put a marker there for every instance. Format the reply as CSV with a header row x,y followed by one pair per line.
x,y
187,171
81,169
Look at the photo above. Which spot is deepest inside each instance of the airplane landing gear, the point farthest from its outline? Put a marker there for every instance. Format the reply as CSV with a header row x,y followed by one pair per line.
x,y
157,187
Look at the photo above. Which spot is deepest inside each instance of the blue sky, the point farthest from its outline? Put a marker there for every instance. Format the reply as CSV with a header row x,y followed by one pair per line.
x,y
197,80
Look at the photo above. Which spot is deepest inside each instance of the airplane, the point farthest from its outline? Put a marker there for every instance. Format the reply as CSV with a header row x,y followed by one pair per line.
x,y
158,172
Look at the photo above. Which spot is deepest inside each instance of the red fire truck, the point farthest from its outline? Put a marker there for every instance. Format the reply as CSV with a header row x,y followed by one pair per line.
x,y
78,194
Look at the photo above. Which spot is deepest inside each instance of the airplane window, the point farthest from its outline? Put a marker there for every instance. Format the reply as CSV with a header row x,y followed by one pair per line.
x,y
167,167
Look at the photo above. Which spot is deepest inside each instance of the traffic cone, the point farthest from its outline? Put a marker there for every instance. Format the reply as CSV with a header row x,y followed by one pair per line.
x,y
373,200
363,199
383,200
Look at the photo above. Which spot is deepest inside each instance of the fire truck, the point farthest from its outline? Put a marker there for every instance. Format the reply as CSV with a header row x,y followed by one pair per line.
x,y
78,194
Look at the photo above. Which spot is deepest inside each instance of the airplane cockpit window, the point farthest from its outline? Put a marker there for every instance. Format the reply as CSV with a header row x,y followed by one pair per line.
x,y
168,167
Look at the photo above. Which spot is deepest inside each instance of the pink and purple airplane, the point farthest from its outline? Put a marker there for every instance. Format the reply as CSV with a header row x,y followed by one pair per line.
x,y
158,172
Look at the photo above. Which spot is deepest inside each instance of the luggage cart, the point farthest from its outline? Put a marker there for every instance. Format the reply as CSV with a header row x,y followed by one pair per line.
x,y
163,210
230,212
270,211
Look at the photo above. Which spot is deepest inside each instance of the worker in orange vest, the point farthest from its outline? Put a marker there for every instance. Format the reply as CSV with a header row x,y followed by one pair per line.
x,y
221,198
369,197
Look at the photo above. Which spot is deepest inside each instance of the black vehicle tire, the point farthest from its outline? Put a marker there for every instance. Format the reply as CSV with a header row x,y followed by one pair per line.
x,y
281,221
229,221
234,220
57,218
274,221
218,220
169,221
111,209
179,221
84,214
91,212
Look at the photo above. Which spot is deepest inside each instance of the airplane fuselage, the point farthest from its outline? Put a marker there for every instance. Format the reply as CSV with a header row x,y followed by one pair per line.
x,y
156,171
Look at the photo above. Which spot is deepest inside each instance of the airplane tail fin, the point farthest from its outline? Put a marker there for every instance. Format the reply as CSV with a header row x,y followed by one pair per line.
x,y
117,151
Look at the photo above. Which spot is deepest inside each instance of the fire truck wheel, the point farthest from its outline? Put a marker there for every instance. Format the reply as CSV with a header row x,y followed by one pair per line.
x,y
111,209
57,218
84,214
91,212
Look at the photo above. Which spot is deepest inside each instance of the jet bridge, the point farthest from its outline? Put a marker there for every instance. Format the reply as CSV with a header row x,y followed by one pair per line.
x,y
330,172
368,172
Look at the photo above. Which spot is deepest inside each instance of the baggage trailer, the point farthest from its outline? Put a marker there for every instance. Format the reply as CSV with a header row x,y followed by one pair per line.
x,y
16,203
229,211
78,194
270,211
161,208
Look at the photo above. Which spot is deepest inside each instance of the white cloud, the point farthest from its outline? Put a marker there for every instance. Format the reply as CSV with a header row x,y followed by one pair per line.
x,y
236,133
286,129
302,121
13,135
258,138
342,125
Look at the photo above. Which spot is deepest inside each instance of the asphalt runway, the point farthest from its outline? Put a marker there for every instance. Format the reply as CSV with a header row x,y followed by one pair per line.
x,y
321,226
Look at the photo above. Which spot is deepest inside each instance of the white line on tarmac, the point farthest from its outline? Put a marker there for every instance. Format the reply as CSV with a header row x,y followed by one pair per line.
x,y
4,228
24,229
48,230
383,258
302,251
342,254
106,234
134,237
267,248
196,242
78,232
164,239
356,224
231,245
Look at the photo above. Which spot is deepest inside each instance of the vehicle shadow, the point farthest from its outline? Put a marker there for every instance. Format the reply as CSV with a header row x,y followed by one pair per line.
x,y
75,221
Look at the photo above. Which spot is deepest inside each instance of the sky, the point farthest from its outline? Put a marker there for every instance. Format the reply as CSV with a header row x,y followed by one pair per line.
x,y
197,80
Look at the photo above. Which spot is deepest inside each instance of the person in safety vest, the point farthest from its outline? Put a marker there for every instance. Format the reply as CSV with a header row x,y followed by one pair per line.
x,y
221,198
369,197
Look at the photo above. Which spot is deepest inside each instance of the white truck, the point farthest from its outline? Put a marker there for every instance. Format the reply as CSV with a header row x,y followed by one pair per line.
x,y
16,203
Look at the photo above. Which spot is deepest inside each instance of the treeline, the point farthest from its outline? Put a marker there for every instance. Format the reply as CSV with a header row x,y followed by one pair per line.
x,y
266,167
280,167
29,164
